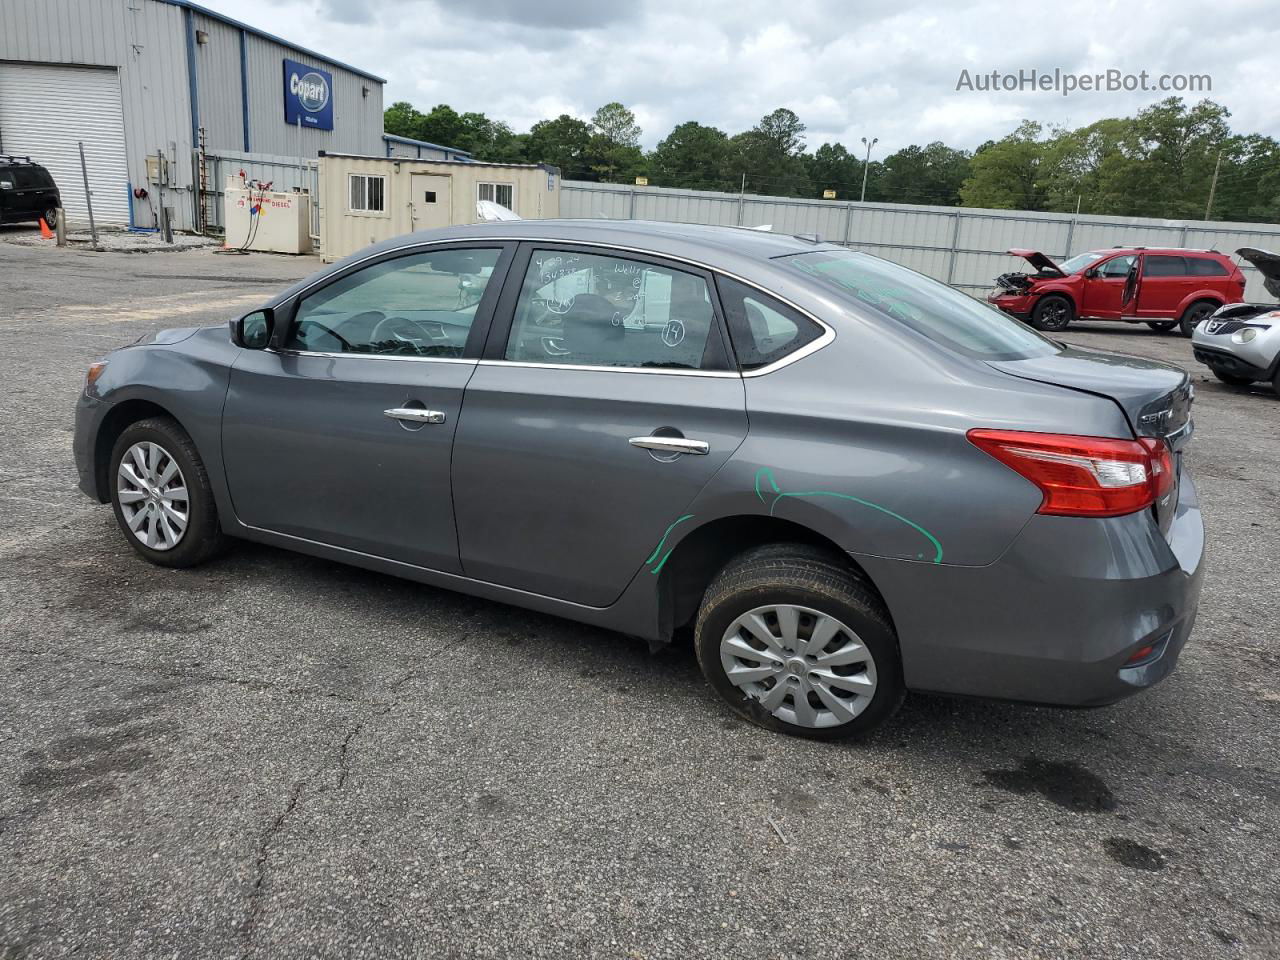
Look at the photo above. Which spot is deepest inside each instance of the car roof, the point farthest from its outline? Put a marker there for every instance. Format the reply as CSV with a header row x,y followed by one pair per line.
x,y
1175,251
715,246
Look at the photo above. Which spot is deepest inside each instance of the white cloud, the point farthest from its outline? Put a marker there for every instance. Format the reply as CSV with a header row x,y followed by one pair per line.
x,y
885,68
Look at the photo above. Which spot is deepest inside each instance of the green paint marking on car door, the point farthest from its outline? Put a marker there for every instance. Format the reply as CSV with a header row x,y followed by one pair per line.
x,y
658,549
766,473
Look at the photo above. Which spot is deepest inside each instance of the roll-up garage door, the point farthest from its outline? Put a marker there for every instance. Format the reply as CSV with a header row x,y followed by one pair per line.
x,y
46,111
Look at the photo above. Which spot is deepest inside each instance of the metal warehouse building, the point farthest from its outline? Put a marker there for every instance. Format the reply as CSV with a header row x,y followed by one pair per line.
x,y
154,87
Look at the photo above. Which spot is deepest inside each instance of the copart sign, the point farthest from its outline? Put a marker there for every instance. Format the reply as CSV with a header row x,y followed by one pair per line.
x,y
308,96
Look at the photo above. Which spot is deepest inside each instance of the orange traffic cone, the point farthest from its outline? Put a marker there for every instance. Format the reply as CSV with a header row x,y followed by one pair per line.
x,y
44,230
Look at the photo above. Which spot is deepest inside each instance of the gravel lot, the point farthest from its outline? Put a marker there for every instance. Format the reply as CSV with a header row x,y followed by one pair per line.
x,y
277,756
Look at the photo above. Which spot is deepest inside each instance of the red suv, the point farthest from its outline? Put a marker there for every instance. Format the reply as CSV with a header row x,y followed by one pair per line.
x,y
1163,287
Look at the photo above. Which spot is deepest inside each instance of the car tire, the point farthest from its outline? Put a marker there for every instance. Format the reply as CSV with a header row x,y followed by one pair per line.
x,y
51,218
172,511
1053,313
1231,378
1195,313
858,671
1162,326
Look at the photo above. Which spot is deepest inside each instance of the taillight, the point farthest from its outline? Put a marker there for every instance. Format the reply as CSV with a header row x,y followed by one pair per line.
x,y
1084,476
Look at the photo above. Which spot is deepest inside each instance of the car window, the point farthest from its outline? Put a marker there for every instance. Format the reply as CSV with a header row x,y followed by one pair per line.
x,y
924,305
421,305
1206,267
1117,267
599,310
762,329
1080,261
24,178
1160,265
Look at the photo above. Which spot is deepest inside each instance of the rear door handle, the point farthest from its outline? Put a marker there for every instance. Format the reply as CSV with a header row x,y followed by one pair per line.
x,y
415,415
672,445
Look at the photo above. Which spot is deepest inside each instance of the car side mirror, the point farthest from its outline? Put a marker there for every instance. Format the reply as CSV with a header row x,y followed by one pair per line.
x,y
253,330
1091,272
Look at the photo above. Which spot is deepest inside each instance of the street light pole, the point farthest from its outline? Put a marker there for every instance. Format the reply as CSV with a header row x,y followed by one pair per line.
x,y
866,164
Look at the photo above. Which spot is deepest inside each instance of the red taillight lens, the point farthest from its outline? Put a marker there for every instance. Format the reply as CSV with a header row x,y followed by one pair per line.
x,y
1084,476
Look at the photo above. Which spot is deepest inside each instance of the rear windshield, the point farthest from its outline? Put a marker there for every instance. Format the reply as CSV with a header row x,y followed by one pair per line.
x,y
928,307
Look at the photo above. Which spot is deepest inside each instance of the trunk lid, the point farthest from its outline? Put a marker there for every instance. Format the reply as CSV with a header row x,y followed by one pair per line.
x,y
1038,260
1156,397
1268,265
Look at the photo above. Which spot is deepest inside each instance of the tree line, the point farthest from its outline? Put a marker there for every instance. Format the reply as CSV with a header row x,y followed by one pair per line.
x,y
1163,162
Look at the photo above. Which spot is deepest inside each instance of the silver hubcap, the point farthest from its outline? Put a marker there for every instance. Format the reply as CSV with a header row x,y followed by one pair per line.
x,y
803,666
153,495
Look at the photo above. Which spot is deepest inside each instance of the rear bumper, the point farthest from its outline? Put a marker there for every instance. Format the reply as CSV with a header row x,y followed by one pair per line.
x,y
1057,617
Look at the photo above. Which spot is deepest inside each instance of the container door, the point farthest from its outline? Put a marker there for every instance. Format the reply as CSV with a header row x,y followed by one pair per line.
x,y
431,201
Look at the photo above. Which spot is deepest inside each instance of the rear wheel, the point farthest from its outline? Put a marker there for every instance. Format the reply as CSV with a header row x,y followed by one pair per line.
x,y
1052,313
1162,325
1195,313
161,495
1231,378
795,642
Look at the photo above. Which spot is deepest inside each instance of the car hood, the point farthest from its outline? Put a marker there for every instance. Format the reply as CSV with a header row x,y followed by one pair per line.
x,y
1156,397
1038,260
166,337
1268,265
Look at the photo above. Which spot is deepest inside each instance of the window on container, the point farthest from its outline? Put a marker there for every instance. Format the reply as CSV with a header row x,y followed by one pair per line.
x,y
368,193
502,194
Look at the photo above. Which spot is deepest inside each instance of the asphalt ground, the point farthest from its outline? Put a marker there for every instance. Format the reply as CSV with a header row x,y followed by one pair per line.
x,y
278,756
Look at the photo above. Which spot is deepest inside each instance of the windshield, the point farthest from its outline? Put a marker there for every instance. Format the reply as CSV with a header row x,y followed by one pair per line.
x,y
1080,261
928,307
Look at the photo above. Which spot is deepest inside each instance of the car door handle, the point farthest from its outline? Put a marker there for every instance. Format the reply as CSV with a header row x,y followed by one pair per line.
x,y
672,445
415,414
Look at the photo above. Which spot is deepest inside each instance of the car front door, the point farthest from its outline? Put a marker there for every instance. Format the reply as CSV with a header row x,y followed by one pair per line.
x,y
604,404
1104,288
341,433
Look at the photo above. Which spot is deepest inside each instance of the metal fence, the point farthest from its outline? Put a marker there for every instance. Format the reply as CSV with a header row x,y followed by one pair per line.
x,y
284,173
965,247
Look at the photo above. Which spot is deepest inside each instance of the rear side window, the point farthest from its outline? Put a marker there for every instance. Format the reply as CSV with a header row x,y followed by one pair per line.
x,y
927,306
1206,267
25,177
762,329
1159,265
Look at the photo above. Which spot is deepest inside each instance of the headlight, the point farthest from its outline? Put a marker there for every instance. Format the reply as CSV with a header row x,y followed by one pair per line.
x,y
1244,336
93,373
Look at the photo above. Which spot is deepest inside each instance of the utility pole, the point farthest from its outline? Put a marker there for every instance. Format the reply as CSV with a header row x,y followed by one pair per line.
x,y
1213,185
866,164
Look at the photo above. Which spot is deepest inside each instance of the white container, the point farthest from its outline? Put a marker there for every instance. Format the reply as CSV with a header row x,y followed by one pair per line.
x,y
268,222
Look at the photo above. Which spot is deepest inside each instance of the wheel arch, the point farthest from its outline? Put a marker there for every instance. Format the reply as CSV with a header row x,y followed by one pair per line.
x,y
1065,292
121,416
1200,296
703,551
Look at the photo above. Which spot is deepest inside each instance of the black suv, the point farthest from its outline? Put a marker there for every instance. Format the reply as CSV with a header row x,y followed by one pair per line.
x,y
27,192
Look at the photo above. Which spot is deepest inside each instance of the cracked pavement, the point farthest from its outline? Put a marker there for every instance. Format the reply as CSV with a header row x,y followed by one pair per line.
x,y
278,756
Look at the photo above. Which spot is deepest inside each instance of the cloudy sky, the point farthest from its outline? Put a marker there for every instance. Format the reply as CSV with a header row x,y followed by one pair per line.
x,y
882,68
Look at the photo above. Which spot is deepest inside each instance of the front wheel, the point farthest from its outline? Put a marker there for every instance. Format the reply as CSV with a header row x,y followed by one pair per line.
x,y
1052,313
796,643
161,495
1195,313
1162,326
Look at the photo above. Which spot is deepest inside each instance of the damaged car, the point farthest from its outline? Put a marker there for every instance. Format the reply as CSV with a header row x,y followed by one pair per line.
x,y
1161,287
1240,343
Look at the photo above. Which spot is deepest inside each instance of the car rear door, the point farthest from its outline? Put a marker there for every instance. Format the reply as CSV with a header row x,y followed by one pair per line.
x,y
342,432
1164,283
604,404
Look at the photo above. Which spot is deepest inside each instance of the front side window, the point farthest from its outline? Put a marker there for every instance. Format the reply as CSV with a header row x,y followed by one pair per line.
x,y
1117,267
421,305
593,310
368,193
762,329
927,306
1157,265
502,194
1080,261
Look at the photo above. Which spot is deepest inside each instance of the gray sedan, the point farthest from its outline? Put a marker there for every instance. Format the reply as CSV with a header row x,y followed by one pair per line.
x,y
841,479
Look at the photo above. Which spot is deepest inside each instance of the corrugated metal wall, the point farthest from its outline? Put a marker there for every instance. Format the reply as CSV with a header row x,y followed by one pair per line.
x,y
145,41
962,246
218,84
357,118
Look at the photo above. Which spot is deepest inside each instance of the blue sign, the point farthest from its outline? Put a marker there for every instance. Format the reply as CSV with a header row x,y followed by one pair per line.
x,y
308,96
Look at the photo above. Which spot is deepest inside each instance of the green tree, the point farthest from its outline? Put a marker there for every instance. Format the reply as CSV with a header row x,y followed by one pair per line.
x,y
1006,174
929,174
613,152
691,156
832,167
770,155
562,142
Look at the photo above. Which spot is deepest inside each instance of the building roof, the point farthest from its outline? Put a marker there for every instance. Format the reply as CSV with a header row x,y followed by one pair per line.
x,y
461,163
424,143
231,21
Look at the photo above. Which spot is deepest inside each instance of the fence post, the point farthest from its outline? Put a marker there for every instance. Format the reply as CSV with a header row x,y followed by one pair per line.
x,y
848,220
955,247
631,211
88,197
1183,241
